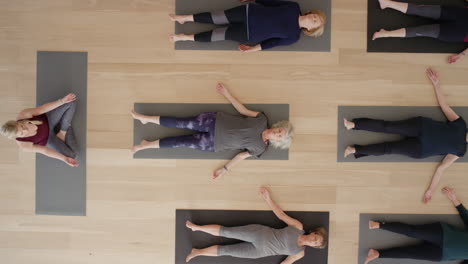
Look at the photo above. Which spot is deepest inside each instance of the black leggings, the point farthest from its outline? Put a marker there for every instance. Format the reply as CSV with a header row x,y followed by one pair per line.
x,y
430,249
235,19
453,26
410,146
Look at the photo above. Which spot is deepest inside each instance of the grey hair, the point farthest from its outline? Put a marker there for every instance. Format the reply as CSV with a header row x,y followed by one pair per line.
x,y
9,129
285,142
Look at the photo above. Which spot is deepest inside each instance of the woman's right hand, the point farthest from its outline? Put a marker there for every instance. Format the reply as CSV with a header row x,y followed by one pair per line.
x,y
450,193
265,193
69,98
221,89
218,173
71,162
433,76
454,58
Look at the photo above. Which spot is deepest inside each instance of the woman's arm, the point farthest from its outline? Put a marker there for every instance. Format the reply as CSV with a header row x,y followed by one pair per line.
x,y
448,111
293,258
30,147
454,58
238,158
450,193
278,211
239,107
30,112
446,162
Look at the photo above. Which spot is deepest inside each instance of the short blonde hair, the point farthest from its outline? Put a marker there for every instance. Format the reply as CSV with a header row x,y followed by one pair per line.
x,y
9,129
324,234
316,32
285,142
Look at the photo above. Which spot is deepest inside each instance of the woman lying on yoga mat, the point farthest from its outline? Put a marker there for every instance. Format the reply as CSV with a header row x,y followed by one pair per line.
x,y
442,242
424,136
46,129
220,131
268,23
453,25
262,241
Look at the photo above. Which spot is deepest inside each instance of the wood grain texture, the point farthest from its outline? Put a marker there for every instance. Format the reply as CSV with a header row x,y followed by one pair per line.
x,y
131,203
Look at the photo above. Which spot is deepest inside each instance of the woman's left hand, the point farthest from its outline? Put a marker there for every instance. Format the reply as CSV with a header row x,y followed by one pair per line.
x,y
248,48
69,98
265,193
427,196
218,173
433,76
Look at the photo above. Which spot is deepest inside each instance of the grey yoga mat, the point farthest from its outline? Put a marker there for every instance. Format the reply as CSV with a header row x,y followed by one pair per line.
x,y
390,113
151,132
306,43
381,239
186,239
60,189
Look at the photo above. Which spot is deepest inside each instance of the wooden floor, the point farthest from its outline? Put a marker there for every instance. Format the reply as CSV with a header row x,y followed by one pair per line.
x,y
131,203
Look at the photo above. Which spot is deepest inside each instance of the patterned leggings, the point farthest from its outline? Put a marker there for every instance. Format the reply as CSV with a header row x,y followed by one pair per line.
x,y
204,123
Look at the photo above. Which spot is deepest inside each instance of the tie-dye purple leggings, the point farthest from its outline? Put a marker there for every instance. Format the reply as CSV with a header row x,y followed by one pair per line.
x,y
204,123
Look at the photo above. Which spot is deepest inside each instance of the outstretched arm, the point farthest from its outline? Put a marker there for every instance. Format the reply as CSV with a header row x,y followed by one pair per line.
x,y
456,57
278,211
293,258
238,158
450,193
239,107
446,162
30,112
448,111
30,147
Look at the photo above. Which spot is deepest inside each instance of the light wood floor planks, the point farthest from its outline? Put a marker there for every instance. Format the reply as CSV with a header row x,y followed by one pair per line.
x,y
131,203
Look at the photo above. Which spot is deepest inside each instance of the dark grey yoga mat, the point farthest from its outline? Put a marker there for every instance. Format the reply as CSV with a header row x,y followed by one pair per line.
x,y
274,112
389,113
381,239
186,239
60,189
306,43
391,19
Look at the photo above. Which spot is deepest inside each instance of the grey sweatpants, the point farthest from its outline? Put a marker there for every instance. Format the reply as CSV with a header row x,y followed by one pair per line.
x,y
255,237
60,119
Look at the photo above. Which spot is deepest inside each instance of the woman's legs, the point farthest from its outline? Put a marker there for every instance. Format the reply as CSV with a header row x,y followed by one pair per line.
x,y
410,147
60,146
145,118
233,32
423,251
204,122
409,127
210,229
432,233
62,117
209,251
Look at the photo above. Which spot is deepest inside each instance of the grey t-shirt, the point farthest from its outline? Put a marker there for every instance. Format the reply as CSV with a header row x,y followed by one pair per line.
x,y
240,132
284,241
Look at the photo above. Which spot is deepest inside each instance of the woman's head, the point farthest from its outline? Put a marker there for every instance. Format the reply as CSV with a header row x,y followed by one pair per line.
x,y
281,134
12,128
317,238
316,21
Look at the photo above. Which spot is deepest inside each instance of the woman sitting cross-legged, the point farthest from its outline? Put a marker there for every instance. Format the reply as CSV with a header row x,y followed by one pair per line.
x,y
46,129
219,131
262,241
424,137
266,23
441,241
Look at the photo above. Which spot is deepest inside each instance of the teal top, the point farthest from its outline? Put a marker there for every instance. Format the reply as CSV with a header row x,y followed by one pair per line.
x,y
455,245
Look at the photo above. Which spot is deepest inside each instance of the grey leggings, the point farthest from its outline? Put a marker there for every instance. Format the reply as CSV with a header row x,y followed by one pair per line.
x,y
60,119
253,247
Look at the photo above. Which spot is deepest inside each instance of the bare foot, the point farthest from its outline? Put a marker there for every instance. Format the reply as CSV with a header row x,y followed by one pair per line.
x,y
138,116
61,134
192,254
373,254
379,34
181,37
190,225
178,19
383,3
139,147
374,225
349,150
348,124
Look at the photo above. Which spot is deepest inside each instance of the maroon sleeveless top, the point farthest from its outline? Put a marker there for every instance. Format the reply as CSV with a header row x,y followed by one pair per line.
x,y
42,131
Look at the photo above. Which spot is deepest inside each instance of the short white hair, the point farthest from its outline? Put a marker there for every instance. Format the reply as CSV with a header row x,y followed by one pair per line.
x,y
286,141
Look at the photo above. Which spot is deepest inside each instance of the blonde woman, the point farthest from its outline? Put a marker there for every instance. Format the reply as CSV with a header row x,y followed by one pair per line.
x,y
219,131
266,23
46,129
262,241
